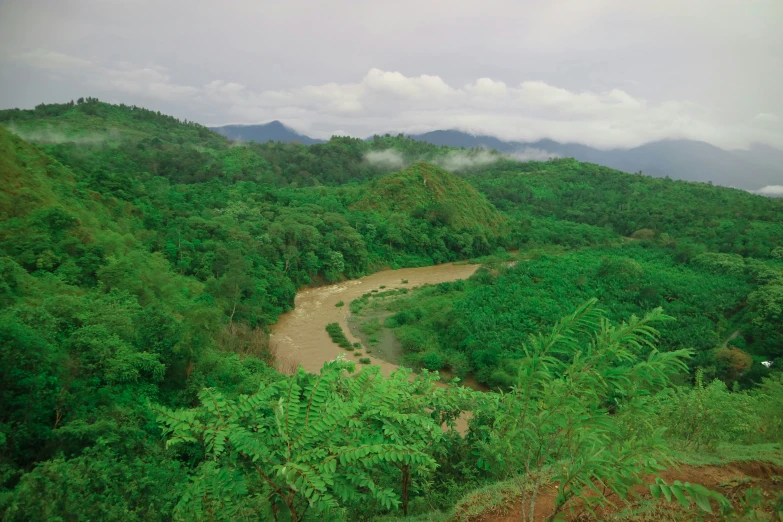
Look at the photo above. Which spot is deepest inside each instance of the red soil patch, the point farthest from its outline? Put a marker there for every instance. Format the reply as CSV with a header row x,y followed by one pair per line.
x,y
731,480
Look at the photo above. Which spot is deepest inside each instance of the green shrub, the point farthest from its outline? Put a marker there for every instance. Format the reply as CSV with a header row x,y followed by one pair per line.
x,y
371,326
704,415
365,360
403,317
432,361
337,335
339,304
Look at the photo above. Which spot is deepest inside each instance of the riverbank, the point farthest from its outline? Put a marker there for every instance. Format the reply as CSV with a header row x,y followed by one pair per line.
x,y
300,334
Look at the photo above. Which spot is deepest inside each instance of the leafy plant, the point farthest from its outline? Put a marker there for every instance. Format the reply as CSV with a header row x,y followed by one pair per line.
x,y
555,423
685,492
337,335
308,443
703,415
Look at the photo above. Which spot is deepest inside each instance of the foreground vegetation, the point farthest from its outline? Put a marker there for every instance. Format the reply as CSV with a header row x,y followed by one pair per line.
x,y
143,259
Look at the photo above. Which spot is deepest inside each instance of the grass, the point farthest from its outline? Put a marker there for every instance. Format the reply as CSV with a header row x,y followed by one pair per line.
x,y
358,304
370,327
337,335
727,453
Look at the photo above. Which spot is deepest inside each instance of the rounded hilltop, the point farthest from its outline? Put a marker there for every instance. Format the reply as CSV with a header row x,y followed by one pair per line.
x,y
430,192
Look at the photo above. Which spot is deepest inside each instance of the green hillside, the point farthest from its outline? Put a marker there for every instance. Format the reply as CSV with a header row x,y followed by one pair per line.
x,y
90,121
143,260
28,177
426,190
691,215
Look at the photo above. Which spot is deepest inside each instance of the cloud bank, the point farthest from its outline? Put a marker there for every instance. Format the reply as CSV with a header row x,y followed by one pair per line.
x,y
386,159
49,134
532,154
383,100
458,161
455,161
775,191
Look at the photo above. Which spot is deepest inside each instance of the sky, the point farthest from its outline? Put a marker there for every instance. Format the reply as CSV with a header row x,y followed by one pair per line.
x,y
606,73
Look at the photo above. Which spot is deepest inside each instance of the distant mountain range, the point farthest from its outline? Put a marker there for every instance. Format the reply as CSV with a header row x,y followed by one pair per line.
x,y
272,131
752,169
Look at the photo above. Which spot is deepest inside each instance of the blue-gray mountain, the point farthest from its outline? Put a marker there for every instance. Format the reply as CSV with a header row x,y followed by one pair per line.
x,y
272,131
751,169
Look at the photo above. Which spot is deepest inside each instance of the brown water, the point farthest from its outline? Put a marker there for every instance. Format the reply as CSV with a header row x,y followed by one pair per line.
x,y
300,334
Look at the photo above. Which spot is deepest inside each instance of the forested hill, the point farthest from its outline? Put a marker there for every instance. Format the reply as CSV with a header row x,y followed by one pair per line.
x,y
428,190
144,257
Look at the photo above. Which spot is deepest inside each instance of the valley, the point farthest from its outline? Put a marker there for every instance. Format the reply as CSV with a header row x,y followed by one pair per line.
x,y
174,308
300,335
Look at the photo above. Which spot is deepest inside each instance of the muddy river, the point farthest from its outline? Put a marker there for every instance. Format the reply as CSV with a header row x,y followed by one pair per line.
x,y
300,336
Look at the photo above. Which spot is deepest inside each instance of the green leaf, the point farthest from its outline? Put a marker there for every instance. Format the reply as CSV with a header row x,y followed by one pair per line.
x,y
701,500
677,490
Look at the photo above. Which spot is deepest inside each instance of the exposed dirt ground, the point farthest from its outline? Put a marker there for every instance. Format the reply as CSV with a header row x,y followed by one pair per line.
x,y
731,480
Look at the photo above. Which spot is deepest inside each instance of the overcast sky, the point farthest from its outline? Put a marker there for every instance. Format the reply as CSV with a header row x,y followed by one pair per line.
x,y
608,73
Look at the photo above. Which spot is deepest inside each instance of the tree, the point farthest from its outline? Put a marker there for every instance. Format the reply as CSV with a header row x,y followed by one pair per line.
x,y
766,305
306,442
555,423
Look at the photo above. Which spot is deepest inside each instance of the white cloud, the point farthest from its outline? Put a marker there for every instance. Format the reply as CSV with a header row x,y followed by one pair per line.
x,y
532,154
766,119
457,161
382,101
51,134
389,100
422,87
487,87
388,159
52,60
150,82
771,190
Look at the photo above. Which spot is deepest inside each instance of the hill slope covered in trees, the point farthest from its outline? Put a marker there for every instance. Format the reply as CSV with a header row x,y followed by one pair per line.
x,y
423,189
143,259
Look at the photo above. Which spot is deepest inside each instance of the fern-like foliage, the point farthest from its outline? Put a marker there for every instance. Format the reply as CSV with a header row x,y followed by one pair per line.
x,y
306,443
574,415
